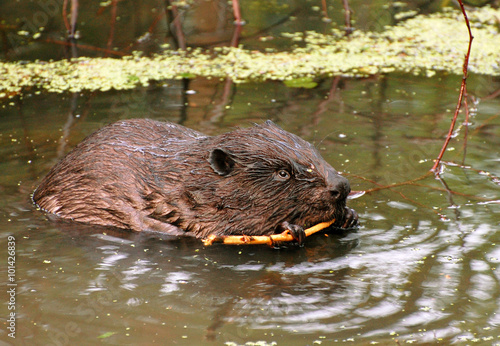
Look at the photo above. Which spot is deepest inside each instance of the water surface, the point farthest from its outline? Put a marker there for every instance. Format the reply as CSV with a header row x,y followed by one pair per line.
x,y
423,266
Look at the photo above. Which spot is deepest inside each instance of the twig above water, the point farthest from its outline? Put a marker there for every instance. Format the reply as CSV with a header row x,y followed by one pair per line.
x,y
463,92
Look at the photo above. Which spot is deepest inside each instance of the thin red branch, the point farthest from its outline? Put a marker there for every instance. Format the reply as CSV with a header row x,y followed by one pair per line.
x,y
408,182
179,37
463,91
155,22
70,27
112,24
237,13
65,15
236,36
84,46
414,182
325,9
492,95
347,17
74,17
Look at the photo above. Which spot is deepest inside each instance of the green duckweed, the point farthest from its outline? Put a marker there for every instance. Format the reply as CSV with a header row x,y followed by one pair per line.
x,y
424,44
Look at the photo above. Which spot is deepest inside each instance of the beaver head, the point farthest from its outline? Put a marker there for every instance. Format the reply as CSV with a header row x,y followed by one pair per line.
x,y
262,177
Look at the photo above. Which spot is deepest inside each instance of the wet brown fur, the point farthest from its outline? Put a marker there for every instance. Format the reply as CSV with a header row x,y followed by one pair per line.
x,y
143,174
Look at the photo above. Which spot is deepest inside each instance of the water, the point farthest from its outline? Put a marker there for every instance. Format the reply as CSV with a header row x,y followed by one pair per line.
x,y
423,267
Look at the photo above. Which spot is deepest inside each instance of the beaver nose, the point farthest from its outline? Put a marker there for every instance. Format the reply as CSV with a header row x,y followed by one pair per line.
x,y
339,187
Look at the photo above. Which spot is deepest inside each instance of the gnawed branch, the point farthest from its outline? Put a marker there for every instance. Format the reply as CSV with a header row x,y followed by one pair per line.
x,y
263,239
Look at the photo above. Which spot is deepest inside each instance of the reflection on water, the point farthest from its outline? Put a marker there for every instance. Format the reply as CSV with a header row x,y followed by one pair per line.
x,y
423,267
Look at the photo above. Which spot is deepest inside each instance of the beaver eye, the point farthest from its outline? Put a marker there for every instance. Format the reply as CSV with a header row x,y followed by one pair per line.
x,y
283,174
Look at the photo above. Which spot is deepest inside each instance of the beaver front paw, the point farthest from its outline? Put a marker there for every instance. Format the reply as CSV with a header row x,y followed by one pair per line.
x,y
296,231
351,218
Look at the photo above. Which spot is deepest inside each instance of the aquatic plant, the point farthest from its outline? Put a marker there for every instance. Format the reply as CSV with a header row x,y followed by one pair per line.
x,y
424,44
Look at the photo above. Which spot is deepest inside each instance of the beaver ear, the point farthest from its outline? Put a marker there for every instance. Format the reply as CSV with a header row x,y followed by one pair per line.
x,y
221,162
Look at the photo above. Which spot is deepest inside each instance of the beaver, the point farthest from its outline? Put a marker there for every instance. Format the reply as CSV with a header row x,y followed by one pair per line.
x,y
147,175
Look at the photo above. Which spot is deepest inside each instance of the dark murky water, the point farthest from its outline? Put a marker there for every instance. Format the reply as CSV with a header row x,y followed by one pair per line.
x,y
423,267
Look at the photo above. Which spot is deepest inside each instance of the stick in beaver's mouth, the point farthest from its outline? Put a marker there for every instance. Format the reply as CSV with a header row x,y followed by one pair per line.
x,y
263,239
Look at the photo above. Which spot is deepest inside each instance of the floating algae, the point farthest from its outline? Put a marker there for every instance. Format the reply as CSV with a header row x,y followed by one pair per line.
x,y
422,45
